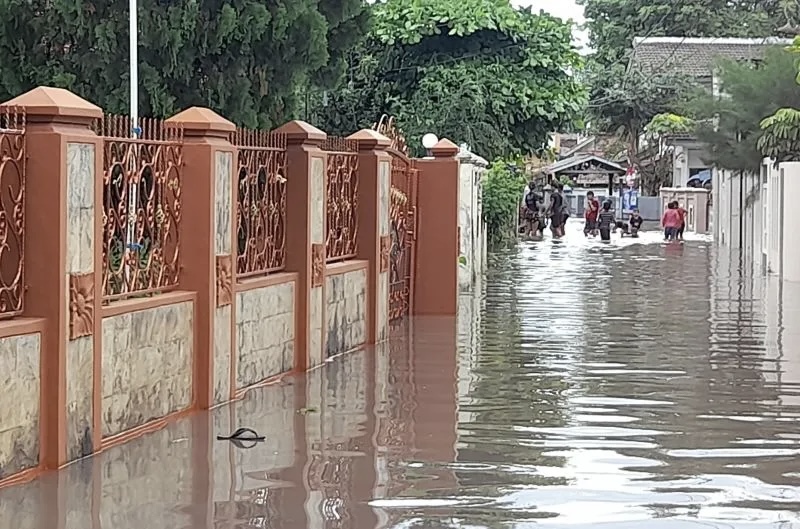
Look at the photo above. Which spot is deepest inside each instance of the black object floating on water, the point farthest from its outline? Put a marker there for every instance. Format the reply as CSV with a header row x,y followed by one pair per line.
x,y
242,436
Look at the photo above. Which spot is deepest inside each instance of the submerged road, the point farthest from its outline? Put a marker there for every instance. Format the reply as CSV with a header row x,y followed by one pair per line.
x,y
627,385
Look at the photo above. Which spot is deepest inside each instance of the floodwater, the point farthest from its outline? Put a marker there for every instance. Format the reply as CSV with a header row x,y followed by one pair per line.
x,y
626,385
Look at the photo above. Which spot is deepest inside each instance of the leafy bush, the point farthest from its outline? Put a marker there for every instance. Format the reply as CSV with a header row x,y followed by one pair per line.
x,y
502,194
666,124
780,139
780,132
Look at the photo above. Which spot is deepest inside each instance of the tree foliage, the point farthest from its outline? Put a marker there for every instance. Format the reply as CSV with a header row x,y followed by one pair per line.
x,y
626,100
475,71
613,24
669,124
731,125
780,136
780,132
250,61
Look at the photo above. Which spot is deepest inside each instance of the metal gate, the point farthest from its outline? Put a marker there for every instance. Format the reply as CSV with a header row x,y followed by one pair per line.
x,y
402,227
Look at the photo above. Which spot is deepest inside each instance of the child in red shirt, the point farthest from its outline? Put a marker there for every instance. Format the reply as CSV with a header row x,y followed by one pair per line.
x,y
592,210
671,222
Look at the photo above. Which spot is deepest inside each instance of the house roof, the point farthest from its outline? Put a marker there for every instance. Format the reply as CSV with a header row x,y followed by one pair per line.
x,y
580,145
579,159
695,56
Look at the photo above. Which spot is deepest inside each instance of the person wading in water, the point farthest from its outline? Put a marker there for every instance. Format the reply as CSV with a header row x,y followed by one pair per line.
x,y
592,210
557,211
635,223
606,221
682,212
532,219
671,221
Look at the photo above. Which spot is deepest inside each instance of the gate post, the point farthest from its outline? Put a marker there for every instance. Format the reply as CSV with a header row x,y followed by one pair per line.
x,y
305,237
63,275
206,236
436,282
374,241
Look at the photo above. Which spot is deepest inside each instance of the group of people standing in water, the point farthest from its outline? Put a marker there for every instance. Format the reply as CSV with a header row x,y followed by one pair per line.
x,y
599,219
674,221
538,215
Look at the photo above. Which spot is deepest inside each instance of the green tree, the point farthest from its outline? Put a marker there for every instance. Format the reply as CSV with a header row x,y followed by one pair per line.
x,y
476,71
658,172
613,24
247,60
780,136
780,132
731,125
623,100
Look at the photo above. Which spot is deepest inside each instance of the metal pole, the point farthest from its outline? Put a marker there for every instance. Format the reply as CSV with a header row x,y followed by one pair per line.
x,y
134,65
133,188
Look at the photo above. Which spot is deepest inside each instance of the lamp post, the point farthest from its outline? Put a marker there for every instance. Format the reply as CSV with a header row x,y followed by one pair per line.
x,y
133,30
429,141
133,188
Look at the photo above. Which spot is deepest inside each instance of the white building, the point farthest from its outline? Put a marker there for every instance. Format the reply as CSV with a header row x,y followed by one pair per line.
x,y
695,57
757,214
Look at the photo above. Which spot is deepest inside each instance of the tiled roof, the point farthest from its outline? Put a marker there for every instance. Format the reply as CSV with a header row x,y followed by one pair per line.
x,y
695,56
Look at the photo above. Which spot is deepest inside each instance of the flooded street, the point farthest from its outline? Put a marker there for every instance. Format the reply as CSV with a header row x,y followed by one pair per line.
x,y
630,385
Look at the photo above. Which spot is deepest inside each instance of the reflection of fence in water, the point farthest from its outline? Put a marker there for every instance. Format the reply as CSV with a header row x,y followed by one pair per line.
x,y
259,508
141,206
330,472
395,413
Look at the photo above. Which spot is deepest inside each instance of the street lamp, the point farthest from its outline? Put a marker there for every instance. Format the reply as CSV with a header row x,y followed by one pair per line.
x,y
133,29
133,188
429,141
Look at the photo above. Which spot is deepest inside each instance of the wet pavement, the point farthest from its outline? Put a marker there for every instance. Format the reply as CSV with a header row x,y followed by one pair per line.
x,y
629,385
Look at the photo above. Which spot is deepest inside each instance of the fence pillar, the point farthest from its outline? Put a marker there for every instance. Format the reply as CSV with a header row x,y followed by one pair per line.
x,y
206,235
305,236
374,240
63,266
436,282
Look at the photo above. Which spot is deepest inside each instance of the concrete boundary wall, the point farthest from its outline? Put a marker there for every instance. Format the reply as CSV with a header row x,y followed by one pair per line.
x,y
114,336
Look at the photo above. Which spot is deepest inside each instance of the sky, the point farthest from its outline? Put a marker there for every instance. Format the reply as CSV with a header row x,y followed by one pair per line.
x,y
566,9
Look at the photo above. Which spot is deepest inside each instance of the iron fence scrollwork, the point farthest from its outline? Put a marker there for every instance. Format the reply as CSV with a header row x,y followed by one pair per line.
x,y
12,211
261,202
342,199
141,206
402,217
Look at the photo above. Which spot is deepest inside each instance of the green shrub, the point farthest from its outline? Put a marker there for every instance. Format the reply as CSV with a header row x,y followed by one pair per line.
x,y
503,186
780,138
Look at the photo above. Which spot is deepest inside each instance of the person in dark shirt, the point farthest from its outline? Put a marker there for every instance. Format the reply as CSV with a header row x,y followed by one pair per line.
x,y
557,212
606,221
532,223
635,222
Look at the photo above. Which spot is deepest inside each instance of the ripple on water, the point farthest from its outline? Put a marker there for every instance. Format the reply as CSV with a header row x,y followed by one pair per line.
x,y
631,385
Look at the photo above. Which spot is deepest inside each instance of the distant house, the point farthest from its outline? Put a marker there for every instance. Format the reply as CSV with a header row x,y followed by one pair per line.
x,y
603,145
695,57
587,171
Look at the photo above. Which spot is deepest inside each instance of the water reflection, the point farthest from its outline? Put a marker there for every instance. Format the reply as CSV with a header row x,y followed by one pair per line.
x,y
627,385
